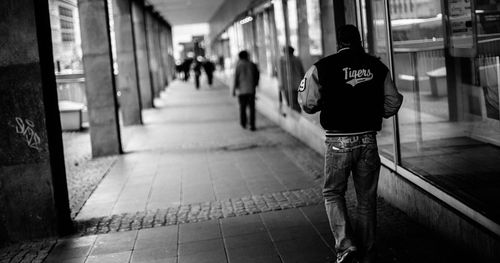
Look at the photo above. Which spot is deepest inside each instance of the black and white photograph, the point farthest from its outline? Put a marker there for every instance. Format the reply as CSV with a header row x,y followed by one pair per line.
x,y
249,131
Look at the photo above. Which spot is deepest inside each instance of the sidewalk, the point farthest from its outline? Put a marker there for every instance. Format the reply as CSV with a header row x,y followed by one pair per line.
x,y
195,187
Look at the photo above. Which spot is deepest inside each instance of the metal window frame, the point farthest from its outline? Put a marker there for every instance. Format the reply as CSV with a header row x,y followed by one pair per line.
x,y
396,163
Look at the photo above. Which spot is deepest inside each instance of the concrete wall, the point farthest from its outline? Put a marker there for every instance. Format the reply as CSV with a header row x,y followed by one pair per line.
x,y
33,192
432,213
99,78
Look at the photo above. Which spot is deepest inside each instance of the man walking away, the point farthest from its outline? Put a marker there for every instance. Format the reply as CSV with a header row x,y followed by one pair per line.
x,y
209,68
353,91
246,79
197,72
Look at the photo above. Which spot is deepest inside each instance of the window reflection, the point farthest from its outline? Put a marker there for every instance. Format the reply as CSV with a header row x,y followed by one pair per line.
x,y
375,41
314,28
449,122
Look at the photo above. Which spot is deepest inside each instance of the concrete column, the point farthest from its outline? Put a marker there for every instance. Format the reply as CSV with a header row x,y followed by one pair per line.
x,y
127,82
168,52
141,53
328,27
33,191
350,12
99,79
164,53
303,32
159,55
153,61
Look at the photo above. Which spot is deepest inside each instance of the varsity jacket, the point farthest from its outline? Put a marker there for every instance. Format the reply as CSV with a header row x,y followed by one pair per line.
x,y
353,91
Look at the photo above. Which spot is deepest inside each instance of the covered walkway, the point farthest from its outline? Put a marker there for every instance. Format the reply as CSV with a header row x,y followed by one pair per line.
x,y
194,186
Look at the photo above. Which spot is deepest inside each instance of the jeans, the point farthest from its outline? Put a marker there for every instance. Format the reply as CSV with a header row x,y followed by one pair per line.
x,y
247,100
359,155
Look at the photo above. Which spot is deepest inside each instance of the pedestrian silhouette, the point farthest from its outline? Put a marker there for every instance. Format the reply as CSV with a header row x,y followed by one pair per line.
x,y
246,79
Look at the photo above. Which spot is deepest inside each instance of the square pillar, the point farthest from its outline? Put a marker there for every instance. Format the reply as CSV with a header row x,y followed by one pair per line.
x,y
159,53
141,54
127,82
152,53
33,191
99,78
303,32
164,54
328,26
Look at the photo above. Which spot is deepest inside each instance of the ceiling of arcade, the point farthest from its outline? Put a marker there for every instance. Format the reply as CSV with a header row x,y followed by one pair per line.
x,y
181,12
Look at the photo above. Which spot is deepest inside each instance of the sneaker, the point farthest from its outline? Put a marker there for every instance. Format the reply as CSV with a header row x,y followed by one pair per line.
x,y
348,256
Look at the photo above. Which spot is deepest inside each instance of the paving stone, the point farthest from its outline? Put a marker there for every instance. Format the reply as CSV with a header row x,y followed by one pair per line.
x,y
198,212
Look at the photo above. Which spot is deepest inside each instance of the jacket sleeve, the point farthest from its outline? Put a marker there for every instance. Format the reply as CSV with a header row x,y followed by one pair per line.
x,y
310,91
392,98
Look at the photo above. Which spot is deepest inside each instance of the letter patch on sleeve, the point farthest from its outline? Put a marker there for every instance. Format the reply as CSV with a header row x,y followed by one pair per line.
x,y
302,85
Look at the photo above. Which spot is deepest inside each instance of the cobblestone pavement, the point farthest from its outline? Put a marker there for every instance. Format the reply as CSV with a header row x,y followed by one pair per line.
x,y
199,212
83,173
34,252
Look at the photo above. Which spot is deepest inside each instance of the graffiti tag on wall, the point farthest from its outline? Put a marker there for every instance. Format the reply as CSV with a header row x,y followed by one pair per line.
x,y
25,128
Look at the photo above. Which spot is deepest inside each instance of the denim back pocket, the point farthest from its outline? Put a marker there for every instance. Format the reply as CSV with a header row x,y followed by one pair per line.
x,y
337,155
370,158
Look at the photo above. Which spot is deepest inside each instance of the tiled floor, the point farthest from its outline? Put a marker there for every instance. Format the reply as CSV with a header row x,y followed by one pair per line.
x,y
191,150
295,235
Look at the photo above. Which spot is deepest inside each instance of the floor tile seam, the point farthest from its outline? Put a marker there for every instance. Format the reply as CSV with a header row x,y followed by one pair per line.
x,y
210,148
151,187
106,173
268,231
219,223
133,246
121,192
207,163
317,231
273,172
305,168
238,167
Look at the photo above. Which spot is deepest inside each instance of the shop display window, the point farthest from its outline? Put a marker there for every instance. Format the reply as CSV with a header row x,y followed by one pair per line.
x,y
314,28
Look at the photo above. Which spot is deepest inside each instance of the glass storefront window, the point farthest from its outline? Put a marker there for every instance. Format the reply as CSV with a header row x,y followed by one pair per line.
x,y
449,123
314,28
376,43
279,18
260,42
293,24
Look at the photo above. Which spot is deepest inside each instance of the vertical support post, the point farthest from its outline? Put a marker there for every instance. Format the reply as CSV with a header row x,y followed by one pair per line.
x,y
497,60
127,83
150,39
303,32
99,78
416,101
287,55
33,191
159,55
328,25
141,54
